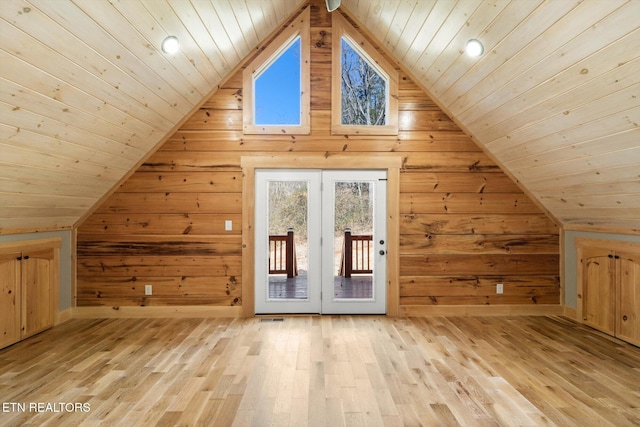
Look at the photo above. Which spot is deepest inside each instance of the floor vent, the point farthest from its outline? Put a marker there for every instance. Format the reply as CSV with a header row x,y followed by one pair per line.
x,y
272,319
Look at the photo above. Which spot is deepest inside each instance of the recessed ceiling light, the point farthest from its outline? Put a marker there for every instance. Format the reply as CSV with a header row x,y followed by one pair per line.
x,y
474,48
170,44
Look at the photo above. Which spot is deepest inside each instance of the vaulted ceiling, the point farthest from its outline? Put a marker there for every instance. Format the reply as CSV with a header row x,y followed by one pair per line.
x,y
86,93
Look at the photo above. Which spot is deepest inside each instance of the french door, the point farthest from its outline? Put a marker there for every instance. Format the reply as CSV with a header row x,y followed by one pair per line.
x,y
320,241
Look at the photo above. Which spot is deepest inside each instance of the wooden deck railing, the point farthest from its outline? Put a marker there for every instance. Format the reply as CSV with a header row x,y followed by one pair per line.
x,y
282,255
357,253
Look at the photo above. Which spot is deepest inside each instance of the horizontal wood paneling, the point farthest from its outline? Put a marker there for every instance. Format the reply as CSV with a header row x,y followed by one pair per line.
x,y
156,223
123,291
481,264
457,182
167,286
159,266
451,161
475,285
467,202
193,161
159,245
173,203
159,301
196,182
404,141
479,243
464,224
481,300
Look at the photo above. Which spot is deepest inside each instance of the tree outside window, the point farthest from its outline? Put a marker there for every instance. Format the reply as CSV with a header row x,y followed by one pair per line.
x,y
364,90
364,84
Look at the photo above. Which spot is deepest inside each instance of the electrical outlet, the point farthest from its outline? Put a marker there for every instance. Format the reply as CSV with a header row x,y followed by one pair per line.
x,y
148,289
228,225
499,288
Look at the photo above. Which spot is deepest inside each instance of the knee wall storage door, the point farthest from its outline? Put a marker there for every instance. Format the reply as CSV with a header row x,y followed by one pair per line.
x,y
29,276
609,287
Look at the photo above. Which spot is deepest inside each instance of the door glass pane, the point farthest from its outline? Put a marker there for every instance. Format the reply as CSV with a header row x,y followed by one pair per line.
x,y
353,240
288,240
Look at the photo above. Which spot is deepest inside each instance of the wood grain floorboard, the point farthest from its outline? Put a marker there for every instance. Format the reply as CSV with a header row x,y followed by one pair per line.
x,y
322,371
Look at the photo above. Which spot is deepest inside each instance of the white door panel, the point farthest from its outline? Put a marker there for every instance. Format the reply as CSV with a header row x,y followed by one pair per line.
x,y
354,209
288,199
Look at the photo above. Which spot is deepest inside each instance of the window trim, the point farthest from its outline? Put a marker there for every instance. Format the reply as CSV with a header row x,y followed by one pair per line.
x,y
341,27
299,27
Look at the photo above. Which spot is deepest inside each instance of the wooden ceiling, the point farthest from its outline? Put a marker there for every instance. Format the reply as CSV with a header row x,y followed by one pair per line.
x,y
86,93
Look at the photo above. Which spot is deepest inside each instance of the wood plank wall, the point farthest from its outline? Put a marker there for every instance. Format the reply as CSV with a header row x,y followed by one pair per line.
x,y
464,225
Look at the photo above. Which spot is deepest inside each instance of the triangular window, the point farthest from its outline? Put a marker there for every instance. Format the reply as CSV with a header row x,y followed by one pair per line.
x,y
365,85
276,84
271,89
365,98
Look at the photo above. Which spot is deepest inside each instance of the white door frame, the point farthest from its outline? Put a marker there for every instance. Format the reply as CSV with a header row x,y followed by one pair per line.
x,y
312,304
377,304
390,161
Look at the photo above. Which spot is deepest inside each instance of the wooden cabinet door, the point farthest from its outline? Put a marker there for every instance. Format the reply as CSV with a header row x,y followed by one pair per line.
x,y
628,295
37,314
599,289
9,298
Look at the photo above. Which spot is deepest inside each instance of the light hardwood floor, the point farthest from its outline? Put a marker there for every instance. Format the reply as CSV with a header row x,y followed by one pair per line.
x,y
329,371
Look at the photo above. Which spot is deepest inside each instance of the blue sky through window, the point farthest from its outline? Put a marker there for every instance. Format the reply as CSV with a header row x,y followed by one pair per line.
x,y
277,89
